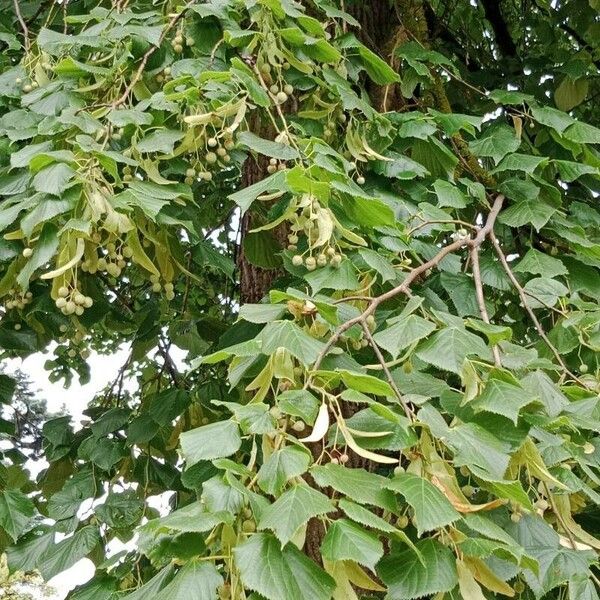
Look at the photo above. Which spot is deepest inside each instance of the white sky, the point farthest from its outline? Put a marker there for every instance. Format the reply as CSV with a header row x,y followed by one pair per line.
x,y
103,370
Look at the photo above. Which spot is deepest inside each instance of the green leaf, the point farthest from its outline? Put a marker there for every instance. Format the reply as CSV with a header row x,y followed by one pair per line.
x,y
299,403
403,333
267,147
379,71
511,490
43,251
197,580
449,194
21,157
502,397
357,484
475,447
520,162
570,93
435,573
246,196
53,179
66,553
364,516
379,263
431,508
129,116
192,518
261,313
448,349
581,587
152,587
16,510
280,467
539,263
160,140
570,171
550,117
494,333
583,133
542,387
380,419
293,509
287,335
346,540
332,278
277,573
496,143
210,441
543,292
367,384
535,211
25,556
262,250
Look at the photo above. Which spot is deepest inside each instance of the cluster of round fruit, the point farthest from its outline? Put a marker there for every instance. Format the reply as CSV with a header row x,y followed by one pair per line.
x,y
113,262
72,302
18,299
357,343
276,165
281,94
266,70
217,152
329,256
329,129
157,287
164,75
28,86
460,234
127,174
74,346
178,41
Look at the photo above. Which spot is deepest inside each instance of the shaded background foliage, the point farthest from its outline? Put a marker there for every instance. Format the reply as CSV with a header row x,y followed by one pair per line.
x,y
375,219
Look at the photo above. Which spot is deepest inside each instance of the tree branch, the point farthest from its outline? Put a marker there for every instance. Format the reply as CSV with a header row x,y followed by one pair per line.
x,y
481,299
138,74
23,25
523,297
502,35
412,276
407,410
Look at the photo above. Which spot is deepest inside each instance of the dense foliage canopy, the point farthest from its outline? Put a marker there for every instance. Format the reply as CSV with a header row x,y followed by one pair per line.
x,y
373,227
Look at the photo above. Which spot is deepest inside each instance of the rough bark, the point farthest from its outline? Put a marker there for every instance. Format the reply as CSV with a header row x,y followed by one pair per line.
x,y
255,281
384,27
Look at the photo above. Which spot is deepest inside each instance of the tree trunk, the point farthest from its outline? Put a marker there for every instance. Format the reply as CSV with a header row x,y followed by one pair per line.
x,y
384,27
255,281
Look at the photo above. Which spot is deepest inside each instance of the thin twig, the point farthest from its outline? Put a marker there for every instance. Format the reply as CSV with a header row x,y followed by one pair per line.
x,y
404,287
407,410
138,74
23,25
481,299
523,297
440,221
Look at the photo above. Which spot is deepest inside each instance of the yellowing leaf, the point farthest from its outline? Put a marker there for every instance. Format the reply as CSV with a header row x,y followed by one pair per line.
x,y
321,425
359,578
139,256
71,263
486,577
469,588
379,458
